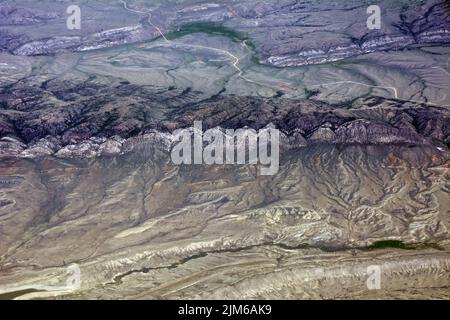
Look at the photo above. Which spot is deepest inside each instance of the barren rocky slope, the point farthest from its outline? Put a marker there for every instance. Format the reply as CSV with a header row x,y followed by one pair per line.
x,y
120,209
287,33
61,118
86,177
136,221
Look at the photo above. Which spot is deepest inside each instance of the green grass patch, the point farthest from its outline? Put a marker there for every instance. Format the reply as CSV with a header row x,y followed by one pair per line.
x,y
396,244
384,244
213,29
209,28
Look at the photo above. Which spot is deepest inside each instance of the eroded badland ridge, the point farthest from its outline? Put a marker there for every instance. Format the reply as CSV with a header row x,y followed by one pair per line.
x,y
87,179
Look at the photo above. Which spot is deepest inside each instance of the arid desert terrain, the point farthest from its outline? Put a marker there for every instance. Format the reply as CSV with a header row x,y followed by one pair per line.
x,y
92,205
